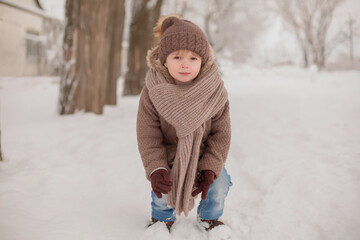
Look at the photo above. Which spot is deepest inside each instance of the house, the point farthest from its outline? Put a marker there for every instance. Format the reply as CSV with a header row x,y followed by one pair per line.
x,y
24,38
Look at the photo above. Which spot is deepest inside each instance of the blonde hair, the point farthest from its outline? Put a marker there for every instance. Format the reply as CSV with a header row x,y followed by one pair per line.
x,y
182,52
157,29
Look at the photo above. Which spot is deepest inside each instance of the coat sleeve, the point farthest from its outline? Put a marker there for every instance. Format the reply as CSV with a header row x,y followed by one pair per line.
x,y
217,143
149,136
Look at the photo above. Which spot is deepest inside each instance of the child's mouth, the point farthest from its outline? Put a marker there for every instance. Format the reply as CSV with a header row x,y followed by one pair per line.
x,y
184,73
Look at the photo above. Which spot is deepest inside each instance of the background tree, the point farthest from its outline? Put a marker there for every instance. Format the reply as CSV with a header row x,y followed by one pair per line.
x,y
310,21
349,33
145,15
92,47
0,145
233,41
175,7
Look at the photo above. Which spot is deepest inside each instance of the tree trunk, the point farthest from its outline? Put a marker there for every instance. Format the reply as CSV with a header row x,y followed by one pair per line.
x,y
141,40
92,45
118,18
321,60
0,147
350,24
351,48
305,57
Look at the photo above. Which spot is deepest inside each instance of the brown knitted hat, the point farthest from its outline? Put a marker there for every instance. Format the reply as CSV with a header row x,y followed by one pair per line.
x,y
178,34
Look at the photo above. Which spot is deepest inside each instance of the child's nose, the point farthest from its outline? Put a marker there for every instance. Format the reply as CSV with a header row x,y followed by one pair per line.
x,y
184,64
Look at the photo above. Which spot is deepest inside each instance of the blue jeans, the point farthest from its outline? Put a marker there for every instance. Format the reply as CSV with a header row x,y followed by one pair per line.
x,y
210,208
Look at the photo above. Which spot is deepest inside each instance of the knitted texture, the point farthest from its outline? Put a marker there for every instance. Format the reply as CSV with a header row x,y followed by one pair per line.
x,y
180,34
157,140
186,108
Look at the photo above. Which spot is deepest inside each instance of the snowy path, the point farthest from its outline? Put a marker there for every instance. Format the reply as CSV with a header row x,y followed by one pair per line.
x,y
294,161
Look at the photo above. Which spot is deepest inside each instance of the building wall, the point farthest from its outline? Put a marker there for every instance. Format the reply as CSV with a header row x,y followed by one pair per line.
x,y
28,3
17,30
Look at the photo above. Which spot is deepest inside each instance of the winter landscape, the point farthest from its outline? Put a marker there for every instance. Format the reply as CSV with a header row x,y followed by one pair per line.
x,y
292,71
294,162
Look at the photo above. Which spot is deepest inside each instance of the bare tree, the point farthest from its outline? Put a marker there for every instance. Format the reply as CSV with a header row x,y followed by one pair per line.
x,y
145,15
51,56
350,32
286,10
92,45
0,146
350,24
231,26
310,21
174,7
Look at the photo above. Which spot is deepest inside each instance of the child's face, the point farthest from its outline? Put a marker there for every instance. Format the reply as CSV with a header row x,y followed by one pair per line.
x,y
183,65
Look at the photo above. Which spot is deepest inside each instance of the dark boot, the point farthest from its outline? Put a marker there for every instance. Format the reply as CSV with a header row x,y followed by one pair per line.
x,y
210,224
168,224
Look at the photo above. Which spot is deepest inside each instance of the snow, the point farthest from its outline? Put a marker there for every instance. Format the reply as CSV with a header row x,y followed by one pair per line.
x,y
294,162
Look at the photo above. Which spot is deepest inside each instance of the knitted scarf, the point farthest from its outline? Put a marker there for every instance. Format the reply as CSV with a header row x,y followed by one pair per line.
x,y
186,108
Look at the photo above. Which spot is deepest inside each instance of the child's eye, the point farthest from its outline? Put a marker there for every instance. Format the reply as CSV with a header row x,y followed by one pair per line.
x,y
176,57
194,58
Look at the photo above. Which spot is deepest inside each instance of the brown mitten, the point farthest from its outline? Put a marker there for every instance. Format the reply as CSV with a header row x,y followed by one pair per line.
x,y
160,182
203,183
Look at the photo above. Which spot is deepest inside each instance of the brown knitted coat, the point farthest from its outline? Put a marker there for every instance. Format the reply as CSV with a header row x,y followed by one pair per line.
x,y
157,139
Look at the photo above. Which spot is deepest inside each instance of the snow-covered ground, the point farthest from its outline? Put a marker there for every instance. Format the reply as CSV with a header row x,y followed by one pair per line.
x,y
294,162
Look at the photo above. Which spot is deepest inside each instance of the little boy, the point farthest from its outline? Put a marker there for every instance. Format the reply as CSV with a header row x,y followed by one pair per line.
x,y
183,125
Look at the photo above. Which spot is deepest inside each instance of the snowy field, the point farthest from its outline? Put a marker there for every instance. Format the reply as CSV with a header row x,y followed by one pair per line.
x,y
294,162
